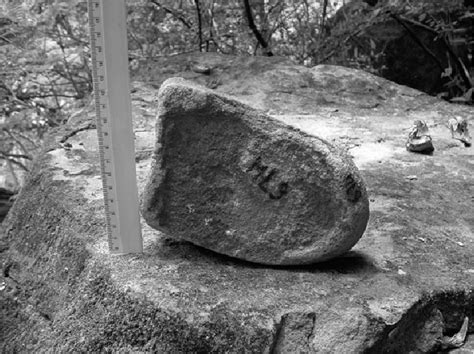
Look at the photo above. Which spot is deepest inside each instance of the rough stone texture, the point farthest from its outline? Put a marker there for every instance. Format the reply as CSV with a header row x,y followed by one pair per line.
x,y
61,291
233,180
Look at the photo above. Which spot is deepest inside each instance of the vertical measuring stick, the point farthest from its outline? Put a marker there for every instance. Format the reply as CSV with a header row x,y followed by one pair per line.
x,y
109,52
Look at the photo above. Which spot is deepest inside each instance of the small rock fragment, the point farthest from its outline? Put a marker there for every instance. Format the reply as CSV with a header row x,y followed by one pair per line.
x,y
201,69
231,179
458,339
459,130
419,139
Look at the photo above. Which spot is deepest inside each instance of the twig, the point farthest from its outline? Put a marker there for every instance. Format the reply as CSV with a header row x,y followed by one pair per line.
x,y
462,68
6,40
173,13
56,95
91,125
417,40
418,24
79,94
330,54
13,161
12,172
20,144
62,22
23,136
16,156
135,39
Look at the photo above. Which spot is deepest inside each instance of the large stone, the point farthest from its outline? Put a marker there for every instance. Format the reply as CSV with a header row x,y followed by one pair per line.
x,y
233,180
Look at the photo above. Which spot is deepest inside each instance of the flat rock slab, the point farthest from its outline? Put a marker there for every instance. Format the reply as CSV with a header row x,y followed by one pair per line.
x,y
233,180
409,278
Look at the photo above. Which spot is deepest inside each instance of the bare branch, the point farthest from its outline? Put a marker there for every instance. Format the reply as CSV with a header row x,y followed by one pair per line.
x,y
462,68
19,143
23,136
15,156
417,40
173,13
13,161
16,182
256,32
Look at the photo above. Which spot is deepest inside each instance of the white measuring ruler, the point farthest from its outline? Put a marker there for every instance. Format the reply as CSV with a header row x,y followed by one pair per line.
x,y
109,52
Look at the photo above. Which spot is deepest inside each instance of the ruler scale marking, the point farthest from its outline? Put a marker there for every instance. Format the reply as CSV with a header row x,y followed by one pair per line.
x,y
109,54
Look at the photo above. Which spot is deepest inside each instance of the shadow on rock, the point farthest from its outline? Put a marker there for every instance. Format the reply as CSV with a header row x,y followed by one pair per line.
x,y
353,262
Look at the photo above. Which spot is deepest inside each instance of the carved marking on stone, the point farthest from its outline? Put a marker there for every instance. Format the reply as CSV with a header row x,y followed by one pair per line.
x,y
266,179
352,189
230,179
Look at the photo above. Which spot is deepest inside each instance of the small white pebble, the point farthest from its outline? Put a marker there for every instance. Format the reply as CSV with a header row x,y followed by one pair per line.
x,y
401,272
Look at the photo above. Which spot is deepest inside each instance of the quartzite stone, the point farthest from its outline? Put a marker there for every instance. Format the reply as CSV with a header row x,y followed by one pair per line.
x,y
231,179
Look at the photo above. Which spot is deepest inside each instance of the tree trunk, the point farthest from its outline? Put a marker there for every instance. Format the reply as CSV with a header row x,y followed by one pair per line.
x,y
323,19
198,10
256,32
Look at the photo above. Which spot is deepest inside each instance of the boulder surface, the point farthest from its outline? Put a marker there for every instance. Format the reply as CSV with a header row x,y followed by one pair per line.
x,y
231,179
407,281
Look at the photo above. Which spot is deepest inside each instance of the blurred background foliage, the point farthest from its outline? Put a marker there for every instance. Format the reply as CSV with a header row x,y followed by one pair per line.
x,y
44,50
